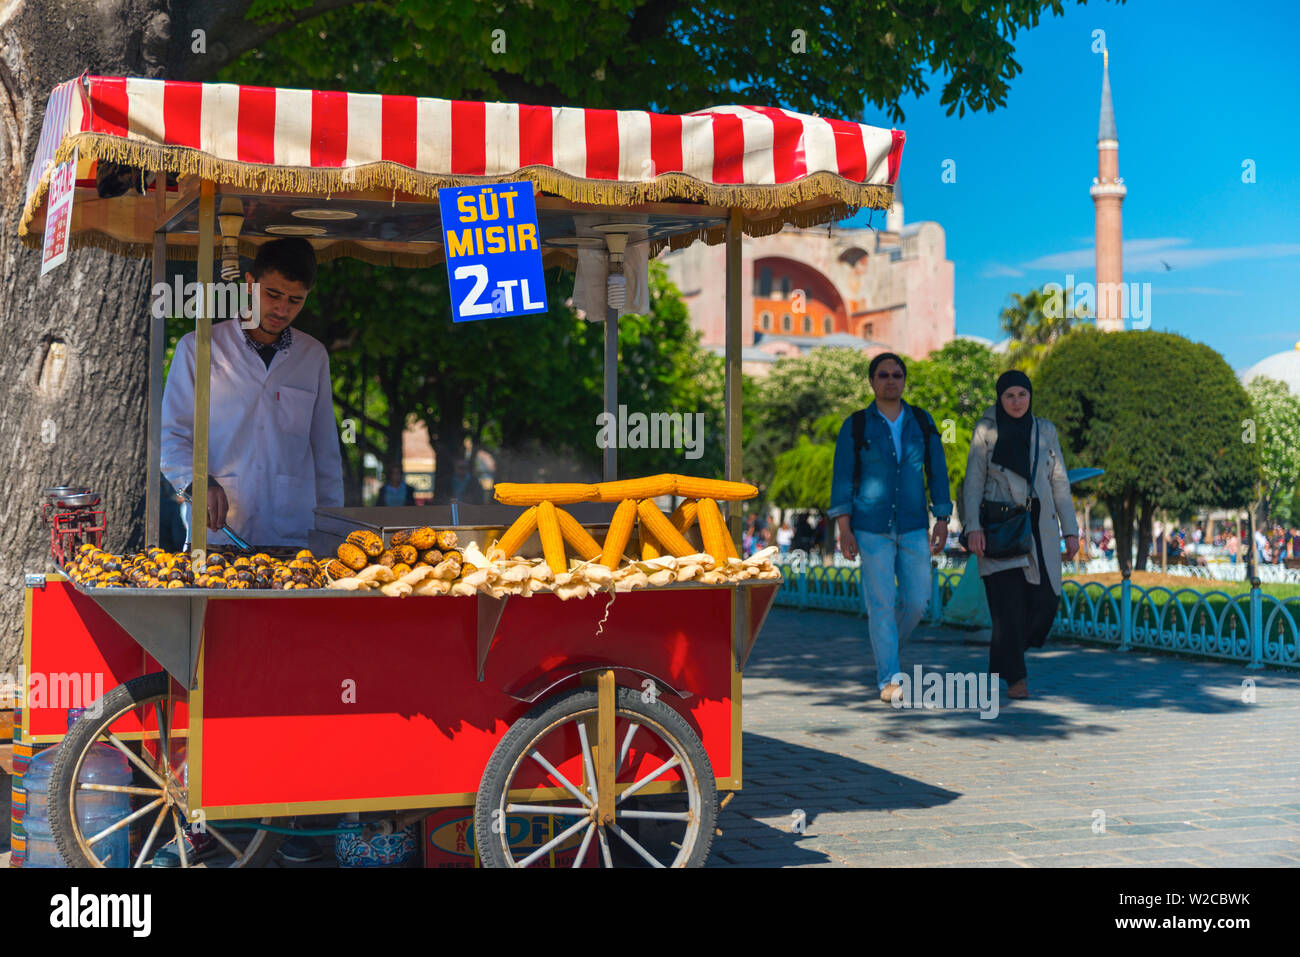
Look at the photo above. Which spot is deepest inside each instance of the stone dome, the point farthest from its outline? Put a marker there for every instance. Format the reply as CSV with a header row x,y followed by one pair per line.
x,y
1283,366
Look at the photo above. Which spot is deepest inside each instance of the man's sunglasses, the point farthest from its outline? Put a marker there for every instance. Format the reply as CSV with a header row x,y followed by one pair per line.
x,y
889,375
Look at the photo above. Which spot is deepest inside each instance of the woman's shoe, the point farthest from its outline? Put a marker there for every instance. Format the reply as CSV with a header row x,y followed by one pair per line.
x,y
1019,690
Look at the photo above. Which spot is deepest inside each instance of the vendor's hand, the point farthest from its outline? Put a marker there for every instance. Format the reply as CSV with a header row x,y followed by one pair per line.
x,y
218,506
975,542
848,541
1071,546
938,536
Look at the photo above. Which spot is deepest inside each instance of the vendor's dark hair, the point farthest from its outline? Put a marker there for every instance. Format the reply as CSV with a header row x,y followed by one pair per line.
x,y
885,357
294,259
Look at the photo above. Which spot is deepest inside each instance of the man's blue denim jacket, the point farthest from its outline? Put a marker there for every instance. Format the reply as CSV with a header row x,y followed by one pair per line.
x,y
891,493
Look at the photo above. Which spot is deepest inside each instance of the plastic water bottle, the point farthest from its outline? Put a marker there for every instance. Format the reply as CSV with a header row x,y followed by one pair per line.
x,y
96,810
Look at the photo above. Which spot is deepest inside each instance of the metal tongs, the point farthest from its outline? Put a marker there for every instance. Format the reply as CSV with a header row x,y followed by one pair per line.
x,y
242,545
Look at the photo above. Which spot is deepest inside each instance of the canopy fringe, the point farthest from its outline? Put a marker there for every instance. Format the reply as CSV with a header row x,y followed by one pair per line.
x,y
784,198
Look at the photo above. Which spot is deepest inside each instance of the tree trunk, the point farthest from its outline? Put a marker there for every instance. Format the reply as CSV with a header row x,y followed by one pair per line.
x,y
75,361
1146,515
1122,519
447,436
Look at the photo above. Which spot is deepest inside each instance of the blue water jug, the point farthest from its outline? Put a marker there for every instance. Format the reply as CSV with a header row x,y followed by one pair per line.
x,y
96,810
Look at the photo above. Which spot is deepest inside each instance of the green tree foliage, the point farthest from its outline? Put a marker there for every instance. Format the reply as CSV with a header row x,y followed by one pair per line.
x,y
1161,414
677,56
1276,426
955,384
806,399
1036,321
529,389
794,396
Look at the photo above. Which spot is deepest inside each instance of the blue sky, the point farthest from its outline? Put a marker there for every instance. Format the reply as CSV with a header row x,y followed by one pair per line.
x,y
1199,88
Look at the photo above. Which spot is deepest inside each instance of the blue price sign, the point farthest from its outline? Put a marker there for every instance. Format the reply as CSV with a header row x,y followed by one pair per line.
x,y
494,256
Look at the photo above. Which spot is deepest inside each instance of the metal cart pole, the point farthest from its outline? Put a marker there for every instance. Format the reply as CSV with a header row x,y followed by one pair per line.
x,y
202,371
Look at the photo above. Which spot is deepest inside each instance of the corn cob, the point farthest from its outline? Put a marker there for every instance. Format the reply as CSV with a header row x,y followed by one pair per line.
x,y
683,517
558,493
620,530
518,533
713,531
650,487
650,547
577,536
548,528
662,529
690,487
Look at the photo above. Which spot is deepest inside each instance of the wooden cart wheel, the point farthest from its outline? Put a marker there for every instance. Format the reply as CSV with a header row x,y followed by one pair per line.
x,y
657,757
159,795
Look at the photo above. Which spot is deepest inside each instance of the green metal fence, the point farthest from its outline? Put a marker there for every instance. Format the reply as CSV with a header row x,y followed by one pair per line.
x,y
1254,628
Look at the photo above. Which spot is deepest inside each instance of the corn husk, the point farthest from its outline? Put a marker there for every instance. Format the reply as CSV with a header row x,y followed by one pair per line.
x,y
447,570
571,590
662,577
461,590
762,556
396,589
377,573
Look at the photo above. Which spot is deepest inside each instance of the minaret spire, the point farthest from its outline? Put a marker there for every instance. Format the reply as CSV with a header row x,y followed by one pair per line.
x,y
1108,191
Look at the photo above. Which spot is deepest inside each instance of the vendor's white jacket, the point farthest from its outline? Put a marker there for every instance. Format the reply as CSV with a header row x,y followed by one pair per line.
x,y
273,442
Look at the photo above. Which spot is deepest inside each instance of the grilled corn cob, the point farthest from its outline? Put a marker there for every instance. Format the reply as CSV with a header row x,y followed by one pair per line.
x,y
665,534
557,493
620,530
548,529
577,536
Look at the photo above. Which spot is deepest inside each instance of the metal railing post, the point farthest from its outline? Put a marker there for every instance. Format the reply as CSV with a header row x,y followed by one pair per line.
x,y
1256,625
1126,613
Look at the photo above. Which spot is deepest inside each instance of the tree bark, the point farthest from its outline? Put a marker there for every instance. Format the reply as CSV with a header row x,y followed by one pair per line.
x,y
75,360
1121,516
1146,515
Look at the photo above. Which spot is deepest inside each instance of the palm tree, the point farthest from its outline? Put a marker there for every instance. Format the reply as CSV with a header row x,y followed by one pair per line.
x,y
1036,321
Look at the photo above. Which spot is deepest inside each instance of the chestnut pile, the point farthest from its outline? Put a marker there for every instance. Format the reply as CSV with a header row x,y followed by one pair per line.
x,y
155,568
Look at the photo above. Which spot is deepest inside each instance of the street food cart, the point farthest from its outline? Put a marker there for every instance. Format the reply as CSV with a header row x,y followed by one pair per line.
x,y
613,720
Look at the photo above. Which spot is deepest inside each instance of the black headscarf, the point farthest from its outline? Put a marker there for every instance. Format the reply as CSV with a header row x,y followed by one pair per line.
x,y
1012,448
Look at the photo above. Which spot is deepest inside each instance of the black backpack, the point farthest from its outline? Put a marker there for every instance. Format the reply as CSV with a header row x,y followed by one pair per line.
x,y
859,427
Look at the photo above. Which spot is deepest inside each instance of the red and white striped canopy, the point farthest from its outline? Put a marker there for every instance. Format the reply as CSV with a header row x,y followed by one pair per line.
x,y
776,165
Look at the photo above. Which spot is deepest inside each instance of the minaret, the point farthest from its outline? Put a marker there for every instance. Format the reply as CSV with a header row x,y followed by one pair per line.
x,y
1108,192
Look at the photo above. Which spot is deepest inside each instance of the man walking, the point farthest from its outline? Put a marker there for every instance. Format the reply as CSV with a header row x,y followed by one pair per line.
x,y
885,456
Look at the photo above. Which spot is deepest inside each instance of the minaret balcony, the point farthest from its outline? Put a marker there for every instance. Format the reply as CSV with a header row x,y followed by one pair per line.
x,y
1108,189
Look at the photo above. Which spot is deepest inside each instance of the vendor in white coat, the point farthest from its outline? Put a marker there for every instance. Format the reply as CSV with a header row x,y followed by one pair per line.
x,y
273,444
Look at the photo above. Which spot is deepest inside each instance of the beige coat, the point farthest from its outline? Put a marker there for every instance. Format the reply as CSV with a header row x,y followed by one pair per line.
x,y
986,480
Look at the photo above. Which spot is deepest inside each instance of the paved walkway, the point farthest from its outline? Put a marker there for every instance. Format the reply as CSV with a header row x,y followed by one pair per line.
x,y
1184,772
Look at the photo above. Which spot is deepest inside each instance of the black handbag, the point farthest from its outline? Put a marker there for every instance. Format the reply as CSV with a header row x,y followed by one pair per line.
x,y
1009,527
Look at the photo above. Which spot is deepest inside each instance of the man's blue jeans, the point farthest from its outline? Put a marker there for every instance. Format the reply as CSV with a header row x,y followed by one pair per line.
x,y
895,590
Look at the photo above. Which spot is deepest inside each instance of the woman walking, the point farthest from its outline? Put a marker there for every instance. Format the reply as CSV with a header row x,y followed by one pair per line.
x,y
1016,460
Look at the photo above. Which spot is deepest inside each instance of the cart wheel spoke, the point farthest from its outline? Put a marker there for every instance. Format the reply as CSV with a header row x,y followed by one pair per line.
x,y
180,838
92,841
121,789
164,739
224,841
587,762
153,834
641,851
627,745
545,809
564,782
554,842
116,742
633,788
656,815
605,856
586,843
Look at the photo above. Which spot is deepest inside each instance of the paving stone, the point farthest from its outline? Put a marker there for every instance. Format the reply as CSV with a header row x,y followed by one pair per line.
x,y
1186,775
